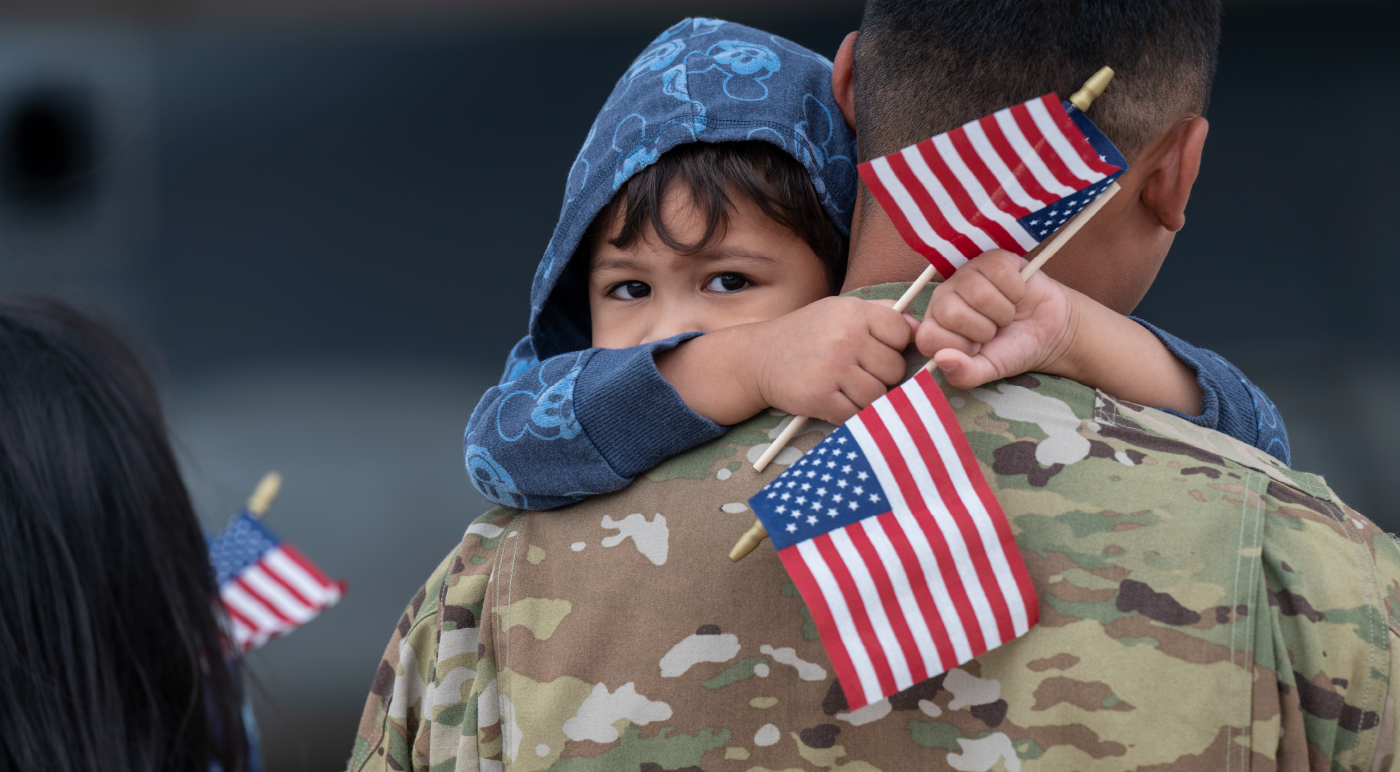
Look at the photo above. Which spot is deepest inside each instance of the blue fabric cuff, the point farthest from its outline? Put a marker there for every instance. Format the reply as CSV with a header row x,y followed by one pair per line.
x,y
1229,402
634,417
1191,356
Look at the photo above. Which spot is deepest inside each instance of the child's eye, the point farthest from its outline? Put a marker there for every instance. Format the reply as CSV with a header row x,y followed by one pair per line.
x,y
631,290
728,282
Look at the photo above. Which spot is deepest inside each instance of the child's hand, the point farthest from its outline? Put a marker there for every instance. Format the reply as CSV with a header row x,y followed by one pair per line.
x,y
986,323
830,359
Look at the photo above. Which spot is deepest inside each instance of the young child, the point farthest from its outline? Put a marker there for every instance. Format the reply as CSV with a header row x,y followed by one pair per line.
x,y
688,286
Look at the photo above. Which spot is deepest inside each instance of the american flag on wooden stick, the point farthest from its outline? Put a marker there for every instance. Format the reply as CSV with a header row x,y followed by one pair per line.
x,y
898,546
1006,181
268,587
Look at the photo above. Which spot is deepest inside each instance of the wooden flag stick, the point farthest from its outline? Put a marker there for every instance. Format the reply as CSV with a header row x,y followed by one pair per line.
x,y
797,422
1061,239
1082,99
757,533
263,495
1065,235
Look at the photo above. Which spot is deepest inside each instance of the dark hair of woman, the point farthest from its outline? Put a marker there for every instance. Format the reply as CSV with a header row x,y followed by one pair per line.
x,y
111,651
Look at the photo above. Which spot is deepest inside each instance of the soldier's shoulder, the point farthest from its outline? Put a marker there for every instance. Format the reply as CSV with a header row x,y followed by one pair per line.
x,y
437,629
1045,435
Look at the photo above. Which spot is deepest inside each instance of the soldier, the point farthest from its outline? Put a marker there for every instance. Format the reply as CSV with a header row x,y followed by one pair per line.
x,y
1202,605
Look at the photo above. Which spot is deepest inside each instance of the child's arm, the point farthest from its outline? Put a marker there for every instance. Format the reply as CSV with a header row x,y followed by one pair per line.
x,y
985,323
1230,402
575,425
827,360
555,432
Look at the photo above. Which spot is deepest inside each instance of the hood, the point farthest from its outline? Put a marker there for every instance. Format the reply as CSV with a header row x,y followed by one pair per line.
x,y
702,80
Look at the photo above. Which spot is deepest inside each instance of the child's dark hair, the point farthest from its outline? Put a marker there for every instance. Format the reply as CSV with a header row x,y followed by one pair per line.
x,y
713,173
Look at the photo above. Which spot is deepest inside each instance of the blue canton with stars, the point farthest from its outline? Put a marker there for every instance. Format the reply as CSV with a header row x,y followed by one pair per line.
x,y
1043,222
242,543
830,487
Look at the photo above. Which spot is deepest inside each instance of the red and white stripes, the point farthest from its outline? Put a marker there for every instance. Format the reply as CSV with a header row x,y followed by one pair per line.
x,y
962,193
930,584
280,592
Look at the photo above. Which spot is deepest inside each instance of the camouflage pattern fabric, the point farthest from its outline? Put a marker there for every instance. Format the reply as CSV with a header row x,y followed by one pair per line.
x,y
1202,607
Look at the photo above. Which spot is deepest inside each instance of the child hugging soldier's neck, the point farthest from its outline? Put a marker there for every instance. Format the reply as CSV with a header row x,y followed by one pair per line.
x,y
708,238
731,240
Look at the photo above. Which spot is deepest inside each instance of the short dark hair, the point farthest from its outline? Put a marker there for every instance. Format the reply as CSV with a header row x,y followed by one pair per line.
x,y
111,646
713,173
923,67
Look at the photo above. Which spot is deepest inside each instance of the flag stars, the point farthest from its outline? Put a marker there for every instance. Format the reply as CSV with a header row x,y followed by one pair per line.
x,y
836,484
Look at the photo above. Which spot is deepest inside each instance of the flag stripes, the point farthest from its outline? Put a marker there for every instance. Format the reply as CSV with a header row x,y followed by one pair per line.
x,y
932,579
267,586
961,193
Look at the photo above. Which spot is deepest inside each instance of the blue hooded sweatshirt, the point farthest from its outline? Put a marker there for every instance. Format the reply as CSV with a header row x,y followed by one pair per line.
x,y
568,421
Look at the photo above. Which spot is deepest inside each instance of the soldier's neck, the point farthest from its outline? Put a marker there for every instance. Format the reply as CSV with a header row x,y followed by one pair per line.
x,y
878,253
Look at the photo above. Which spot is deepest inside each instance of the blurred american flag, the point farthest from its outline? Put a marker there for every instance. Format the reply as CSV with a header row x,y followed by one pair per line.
x,y
268,587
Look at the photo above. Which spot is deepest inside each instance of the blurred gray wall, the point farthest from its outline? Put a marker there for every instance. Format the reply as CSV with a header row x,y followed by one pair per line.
x,y
324,234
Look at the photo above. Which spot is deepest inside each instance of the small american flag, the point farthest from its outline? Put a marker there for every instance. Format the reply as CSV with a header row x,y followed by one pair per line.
x,y
1006,181
898,547
268,587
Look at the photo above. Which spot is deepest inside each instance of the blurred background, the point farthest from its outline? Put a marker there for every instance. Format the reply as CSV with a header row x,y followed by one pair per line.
x,y
321,218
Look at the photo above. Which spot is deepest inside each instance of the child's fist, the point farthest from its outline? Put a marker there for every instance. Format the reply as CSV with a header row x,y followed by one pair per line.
x,y
986,323
832,358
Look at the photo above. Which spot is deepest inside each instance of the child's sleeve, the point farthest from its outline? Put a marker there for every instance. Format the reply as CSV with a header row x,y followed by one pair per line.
x,y
1230,403
579,424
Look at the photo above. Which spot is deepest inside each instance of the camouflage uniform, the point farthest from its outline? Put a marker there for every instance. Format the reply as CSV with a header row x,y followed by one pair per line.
x,y
1202,607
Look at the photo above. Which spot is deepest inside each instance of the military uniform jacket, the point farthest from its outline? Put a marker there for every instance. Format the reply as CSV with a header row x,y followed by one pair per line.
x,y
1202,607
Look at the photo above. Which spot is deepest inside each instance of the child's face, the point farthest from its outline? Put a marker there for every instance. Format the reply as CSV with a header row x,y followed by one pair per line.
x,y
649,292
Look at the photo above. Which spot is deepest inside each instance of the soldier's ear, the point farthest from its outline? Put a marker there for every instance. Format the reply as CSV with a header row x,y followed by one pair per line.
x,y
1174,161
843,80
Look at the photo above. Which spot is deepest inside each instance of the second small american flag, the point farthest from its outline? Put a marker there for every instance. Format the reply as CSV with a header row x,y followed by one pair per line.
x,y
1006,181
897,545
